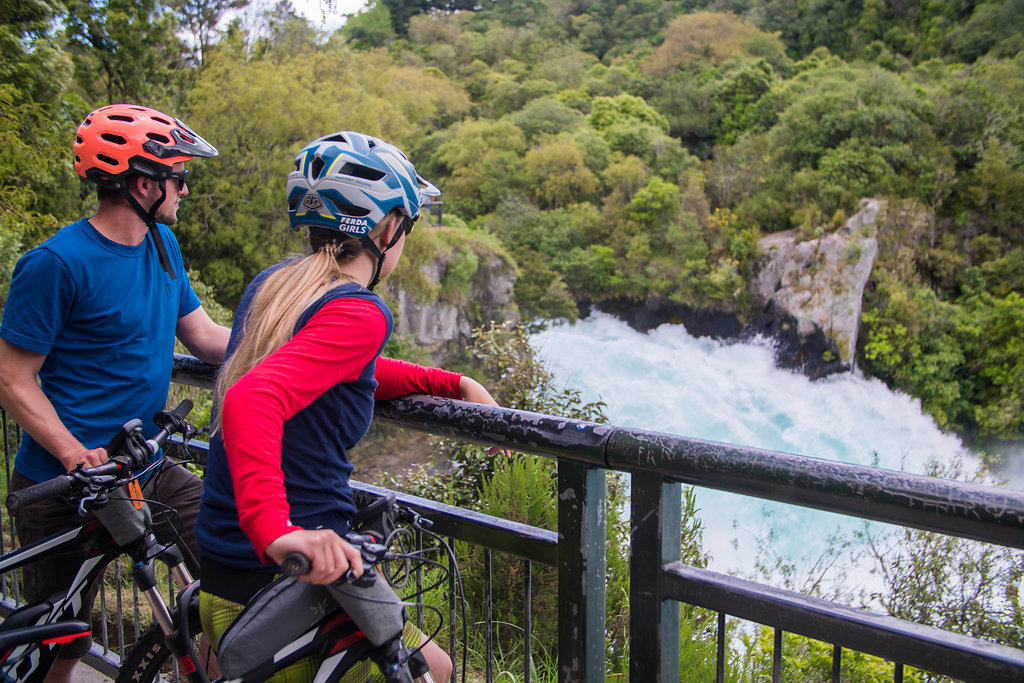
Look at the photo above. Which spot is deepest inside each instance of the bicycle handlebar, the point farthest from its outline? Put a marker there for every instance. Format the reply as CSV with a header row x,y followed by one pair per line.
x,y
373,553
127,450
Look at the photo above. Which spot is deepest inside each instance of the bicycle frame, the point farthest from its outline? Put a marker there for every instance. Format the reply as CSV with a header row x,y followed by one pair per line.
x,y
34,660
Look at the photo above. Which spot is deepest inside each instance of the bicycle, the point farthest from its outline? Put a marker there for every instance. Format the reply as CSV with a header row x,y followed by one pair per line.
x,y
121,524
284,605
114,524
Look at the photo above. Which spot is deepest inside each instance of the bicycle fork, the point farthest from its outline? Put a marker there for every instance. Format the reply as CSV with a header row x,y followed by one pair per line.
x,y
177,635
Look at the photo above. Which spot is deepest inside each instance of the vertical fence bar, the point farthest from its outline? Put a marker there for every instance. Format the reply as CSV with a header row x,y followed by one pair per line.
x,y
453,599
120,608
777,657
581,572
837,663
103,617
135,605
419,584
7,482
720,650
655,523
897,673
527,620
488,618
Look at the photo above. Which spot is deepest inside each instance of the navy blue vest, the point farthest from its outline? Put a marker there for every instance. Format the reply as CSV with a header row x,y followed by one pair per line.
x,y
313,456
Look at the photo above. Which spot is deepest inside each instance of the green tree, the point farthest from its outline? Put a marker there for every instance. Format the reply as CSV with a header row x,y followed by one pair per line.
x,y
483,161
32,60
547,116
39,191
655,206
712,38
607,112
125,50
557,170
369,28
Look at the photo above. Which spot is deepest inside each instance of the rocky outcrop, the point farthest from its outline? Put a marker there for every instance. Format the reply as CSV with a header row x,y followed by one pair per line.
x,y
810,292
451,319
807,298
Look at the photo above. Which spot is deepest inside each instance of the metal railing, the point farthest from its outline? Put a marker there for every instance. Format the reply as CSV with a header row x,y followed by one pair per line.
x,y
659,464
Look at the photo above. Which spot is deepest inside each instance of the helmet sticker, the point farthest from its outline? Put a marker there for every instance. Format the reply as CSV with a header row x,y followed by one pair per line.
x,y
312,201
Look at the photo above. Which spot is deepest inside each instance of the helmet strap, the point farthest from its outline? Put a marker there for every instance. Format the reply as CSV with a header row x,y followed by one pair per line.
x,y
149,218
380,255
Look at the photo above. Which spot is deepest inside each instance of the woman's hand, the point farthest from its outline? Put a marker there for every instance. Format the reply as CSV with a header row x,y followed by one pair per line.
x,y
330,554
474,392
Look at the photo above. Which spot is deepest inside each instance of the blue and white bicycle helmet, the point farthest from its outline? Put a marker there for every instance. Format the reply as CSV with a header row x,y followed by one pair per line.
x,y
347,182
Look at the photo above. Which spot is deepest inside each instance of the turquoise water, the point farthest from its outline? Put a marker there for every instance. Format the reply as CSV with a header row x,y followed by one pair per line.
x,y
669,381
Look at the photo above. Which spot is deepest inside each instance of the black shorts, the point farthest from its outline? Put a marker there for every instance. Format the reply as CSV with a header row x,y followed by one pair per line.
x,y
172,486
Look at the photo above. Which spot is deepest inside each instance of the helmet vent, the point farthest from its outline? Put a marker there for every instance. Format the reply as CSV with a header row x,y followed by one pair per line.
x,y
111,137
121,117
158,138
162,120
108,160
318,167
341,206
359,171
336,138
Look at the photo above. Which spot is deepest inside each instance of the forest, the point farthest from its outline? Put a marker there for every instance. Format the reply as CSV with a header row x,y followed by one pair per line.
x,y
612,150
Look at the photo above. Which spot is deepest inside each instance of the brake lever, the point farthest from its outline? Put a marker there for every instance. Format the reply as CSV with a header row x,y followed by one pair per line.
x,y
417,520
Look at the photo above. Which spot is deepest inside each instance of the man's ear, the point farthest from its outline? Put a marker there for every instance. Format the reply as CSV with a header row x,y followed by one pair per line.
x,y
140,185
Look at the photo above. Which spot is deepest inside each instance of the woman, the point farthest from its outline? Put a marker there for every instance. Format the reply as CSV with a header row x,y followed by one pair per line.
x,y
302,374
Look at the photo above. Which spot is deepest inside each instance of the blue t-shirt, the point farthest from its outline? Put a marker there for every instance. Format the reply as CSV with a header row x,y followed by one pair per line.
x,y
105,315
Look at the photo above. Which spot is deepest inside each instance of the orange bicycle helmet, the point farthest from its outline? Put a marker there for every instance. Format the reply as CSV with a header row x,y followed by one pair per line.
x,y
119,140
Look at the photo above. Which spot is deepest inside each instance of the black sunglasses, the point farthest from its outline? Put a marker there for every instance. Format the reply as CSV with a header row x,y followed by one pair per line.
x,y
180,177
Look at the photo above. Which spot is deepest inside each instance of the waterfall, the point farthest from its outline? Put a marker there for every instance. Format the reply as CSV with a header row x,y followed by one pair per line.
x,y
668,381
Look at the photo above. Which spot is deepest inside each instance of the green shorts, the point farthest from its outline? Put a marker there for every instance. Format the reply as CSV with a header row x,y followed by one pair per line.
x,y
216,613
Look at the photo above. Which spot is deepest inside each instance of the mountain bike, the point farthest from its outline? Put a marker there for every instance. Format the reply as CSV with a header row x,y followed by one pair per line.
x,y
353,622
120,523
113,524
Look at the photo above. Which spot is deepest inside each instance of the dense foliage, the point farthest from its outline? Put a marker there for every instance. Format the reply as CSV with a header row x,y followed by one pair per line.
x,y
625,150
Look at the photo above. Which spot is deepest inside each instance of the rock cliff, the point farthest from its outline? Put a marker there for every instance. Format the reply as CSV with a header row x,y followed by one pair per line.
x,y
812,289
807,297
450,317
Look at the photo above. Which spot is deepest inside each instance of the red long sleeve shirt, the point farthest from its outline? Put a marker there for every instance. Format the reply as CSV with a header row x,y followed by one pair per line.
x,y
334,346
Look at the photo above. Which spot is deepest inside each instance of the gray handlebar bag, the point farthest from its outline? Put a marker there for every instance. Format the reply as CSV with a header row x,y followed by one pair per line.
x,y
286,609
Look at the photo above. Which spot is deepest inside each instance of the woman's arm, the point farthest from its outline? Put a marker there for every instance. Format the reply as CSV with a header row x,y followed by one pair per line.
x,y
334,346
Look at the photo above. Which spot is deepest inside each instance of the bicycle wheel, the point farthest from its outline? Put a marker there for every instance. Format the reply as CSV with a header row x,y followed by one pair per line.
x,y
150,657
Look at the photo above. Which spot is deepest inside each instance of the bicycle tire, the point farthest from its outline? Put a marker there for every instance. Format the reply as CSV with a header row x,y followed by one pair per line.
x,y
150,657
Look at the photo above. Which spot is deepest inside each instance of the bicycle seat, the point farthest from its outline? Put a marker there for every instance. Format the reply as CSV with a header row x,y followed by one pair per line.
x,y
27,615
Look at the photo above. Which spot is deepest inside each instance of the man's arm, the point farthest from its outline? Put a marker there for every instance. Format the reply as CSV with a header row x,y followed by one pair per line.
x,y
205,339
22,398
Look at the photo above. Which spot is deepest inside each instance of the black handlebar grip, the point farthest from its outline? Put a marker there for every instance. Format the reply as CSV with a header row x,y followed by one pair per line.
x,y
33,494
183,409
296,564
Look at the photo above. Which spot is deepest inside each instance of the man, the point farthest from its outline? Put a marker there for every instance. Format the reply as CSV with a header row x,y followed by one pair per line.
x,y
88,330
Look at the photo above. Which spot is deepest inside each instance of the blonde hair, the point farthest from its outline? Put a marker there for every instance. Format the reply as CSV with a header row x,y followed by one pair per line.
x,y
281,299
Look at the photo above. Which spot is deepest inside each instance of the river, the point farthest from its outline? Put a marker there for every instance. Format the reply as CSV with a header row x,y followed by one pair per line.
x,y
669,381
